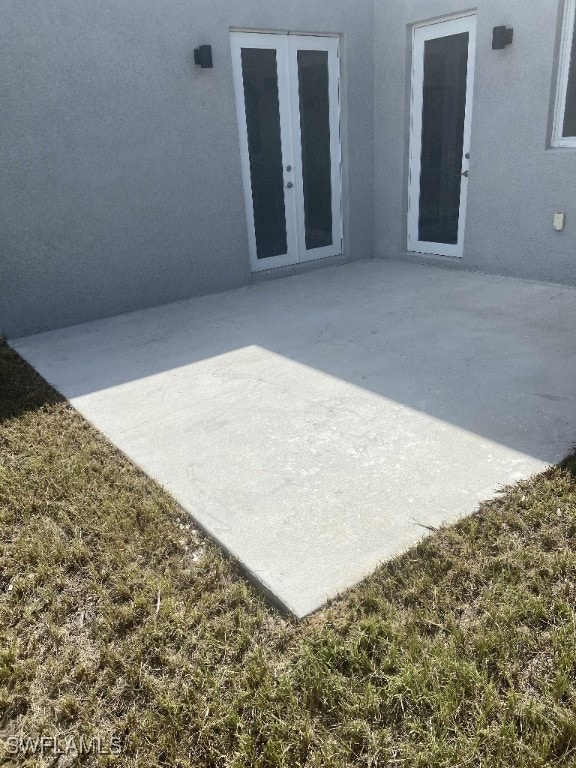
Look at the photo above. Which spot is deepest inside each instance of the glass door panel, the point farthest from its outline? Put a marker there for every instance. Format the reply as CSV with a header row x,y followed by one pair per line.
x,y
260,76
314,106
443,112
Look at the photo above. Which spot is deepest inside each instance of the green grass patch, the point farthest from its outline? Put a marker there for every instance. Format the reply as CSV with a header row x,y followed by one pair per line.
x,y
117,618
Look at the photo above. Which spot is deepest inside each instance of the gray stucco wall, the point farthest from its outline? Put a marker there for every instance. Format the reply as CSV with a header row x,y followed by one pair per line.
x,y
517,181
121,180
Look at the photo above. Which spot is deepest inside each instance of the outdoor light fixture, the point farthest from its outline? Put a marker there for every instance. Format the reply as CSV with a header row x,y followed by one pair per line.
x,y
203,57
501,37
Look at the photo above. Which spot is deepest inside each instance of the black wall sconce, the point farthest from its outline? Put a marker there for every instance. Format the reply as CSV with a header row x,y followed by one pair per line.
x,y
203,57
501,37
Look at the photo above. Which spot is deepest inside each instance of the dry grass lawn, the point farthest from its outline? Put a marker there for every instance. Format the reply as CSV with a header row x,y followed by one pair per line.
x,y
118,619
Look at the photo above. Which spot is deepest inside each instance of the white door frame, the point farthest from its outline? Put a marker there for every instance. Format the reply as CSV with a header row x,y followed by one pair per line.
x,y
330,45
287,47
421,33
278,43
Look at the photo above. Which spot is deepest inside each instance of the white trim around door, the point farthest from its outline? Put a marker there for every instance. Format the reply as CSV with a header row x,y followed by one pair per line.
x,y
288,107
443,58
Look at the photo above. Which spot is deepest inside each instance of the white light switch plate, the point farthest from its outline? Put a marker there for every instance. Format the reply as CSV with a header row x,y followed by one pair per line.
x,y
559,222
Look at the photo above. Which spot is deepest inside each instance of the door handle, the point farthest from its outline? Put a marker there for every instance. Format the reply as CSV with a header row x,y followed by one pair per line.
x,y
465,174
289,185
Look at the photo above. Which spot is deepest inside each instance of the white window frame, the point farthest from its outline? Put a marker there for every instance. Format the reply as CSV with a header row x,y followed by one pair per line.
x,y
568,31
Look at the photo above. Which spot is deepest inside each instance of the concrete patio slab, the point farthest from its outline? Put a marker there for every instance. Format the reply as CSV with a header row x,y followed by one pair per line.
x,y
315,425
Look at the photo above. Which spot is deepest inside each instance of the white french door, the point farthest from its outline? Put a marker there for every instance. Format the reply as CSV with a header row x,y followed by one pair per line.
x,y
287,100
442,90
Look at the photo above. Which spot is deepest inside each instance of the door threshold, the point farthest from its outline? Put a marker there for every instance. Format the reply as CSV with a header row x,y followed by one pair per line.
x,y
298,269
432,259
430,255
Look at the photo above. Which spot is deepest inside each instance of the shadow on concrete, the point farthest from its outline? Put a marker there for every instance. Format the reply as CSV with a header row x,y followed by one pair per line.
x,y
494,356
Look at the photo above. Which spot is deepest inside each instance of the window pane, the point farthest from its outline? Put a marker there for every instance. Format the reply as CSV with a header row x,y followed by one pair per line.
x,y
260,76
443,113
570,114
316,159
